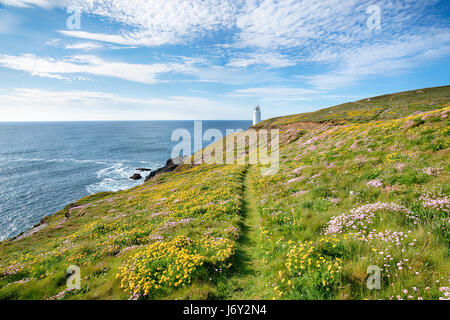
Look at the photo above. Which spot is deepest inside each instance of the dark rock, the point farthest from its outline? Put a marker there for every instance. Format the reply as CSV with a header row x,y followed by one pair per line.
x,y
143,169
171,165
136,176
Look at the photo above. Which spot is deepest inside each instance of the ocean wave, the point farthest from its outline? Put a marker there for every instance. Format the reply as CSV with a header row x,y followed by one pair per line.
x,y
114,175
110,184
117,170
15,225
117,177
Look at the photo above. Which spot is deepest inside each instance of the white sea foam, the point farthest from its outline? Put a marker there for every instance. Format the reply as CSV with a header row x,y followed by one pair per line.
x,y
117,170
13,225
116,177
109,184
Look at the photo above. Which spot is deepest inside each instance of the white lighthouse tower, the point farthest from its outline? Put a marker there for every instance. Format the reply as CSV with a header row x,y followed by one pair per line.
x,y
257,115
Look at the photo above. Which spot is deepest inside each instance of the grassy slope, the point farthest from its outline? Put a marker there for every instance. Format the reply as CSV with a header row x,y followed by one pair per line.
x,y
384,107
331,171
225,231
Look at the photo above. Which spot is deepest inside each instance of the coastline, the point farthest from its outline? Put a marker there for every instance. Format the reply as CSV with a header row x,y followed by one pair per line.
x,y
171,165
41,174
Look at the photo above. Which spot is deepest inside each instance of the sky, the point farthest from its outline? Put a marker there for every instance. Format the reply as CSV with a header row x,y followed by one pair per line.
x,y
212,59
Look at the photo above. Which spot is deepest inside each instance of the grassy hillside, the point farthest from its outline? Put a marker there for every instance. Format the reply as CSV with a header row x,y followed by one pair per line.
x,y
385,107
355,188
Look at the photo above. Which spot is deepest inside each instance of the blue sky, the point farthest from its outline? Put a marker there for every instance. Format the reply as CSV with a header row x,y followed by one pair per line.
x,y
212,59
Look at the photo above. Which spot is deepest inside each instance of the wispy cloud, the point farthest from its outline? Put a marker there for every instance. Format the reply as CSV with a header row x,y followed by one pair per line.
x,y
317,25
275,94
20,104
79,66
129,40
269,59
382,59
88,64
27,3
155,23
313,32
83,46
38,96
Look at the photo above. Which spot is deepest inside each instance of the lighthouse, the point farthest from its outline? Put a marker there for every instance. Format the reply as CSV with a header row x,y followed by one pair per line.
x,y
257,115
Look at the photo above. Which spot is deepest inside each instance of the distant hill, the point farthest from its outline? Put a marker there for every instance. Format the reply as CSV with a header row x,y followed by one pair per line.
x,y
384,107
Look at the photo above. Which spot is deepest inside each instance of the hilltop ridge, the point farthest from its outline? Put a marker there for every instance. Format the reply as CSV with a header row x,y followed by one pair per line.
x,y
383,107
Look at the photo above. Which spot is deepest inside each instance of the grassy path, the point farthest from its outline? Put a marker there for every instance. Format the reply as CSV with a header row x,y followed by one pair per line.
x,y
246,282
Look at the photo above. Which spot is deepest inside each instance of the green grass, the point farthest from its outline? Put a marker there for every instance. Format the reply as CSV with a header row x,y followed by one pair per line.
x,y
384,107
227,232
244,280
335,183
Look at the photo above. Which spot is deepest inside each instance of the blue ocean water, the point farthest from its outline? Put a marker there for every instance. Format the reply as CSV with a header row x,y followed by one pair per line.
x,y
45,166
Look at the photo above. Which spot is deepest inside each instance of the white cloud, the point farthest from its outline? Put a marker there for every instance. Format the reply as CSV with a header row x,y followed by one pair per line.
x,y
310,25
260,23
196,69
317,25
27,3
111,38
148,23
382,59
39,96
154,23
88,64
84,46
22,104
292,23
275,94
269,59
219,74
53,42
329,33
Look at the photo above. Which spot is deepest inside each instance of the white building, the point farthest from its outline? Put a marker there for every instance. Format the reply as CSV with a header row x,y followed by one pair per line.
x,y
257,115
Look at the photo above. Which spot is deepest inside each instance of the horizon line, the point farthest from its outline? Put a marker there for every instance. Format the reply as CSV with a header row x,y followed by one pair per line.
x,y
47,121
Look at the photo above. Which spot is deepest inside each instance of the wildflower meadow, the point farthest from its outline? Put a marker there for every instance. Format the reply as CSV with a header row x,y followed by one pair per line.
x,y
360,186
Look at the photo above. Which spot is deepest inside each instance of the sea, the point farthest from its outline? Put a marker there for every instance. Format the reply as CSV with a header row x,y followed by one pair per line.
x,y
46,165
